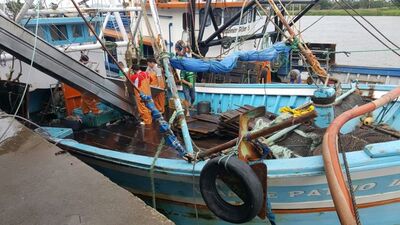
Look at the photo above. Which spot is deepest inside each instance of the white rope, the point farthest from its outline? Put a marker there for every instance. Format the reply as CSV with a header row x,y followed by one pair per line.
x,y
28,76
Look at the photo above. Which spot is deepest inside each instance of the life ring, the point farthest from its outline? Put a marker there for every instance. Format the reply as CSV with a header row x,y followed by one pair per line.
x,y
250,188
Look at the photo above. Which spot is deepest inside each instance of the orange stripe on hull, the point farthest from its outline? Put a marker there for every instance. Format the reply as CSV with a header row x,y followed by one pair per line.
x,y
288,211
329,209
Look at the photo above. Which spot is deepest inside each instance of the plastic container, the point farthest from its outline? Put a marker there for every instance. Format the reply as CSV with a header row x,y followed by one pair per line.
x,y
203,107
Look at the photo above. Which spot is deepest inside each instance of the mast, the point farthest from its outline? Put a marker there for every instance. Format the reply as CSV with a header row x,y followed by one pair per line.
x,y
310,58
170,78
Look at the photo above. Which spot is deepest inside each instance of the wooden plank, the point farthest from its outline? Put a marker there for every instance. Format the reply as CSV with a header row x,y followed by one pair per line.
x,y
207,118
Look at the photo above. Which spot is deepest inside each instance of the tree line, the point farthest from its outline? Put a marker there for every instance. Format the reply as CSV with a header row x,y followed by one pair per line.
x,y
360,4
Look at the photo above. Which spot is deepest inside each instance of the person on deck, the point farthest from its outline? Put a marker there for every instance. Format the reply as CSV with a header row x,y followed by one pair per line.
x,y
295,76
142,81
121,72
188,79
157,80
89,101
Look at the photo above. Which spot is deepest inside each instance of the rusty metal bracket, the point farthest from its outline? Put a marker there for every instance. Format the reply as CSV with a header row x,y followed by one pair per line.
x,y
247,152
260,169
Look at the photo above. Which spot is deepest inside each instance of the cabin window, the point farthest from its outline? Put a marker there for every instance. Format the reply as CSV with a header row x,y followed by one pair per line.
x,y
230,12
76,30
40,32
217,15
201,17
58,32
248,16
185,21
252,15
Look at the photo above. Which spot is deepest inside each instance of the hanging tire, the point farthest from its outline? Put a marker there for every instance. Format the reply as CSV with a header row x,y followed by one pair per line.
x,y
251,191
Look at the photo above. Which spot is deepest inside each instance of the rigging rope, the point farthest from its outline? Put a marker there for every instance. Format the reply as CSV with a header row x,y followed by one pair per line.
x,y
376,29
349,181
377,38
240,22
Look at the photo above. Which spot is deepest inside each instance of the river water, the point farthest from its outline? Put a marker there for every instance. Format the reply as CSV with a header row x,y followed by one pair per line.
x,y
350,36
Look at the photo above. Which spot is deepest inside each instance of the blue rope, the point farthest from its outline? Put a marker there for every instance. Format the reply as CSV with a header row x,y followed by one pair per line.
x,y
165,129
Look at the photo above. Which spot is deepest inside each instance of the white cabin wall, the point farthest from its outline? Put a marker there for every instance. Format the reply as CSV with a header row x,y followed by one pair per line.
x,y
177,29
39,80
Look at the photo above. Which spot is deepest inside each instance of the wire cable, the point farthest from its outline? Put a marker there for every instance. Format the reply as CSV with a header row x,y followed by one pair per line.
x,y
377,38
376,29
28,76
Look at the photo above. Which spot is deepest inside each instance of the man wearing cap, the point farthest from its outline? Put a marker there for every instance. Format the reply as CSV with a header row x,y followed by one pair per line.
x,y
188,79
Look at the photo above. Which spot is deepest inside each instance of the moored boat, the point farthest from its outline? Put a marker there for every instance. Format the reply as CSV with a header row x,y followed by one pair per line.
x,y
297,187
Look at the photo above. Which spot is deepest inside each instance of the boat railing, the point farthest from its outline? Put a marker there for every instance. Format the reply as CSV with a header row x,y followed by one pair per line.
x,y
341,195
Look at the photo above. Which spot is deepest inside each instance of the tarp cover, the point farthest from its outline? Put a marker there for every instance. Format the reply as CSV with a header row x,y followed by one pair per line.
x,y
228,63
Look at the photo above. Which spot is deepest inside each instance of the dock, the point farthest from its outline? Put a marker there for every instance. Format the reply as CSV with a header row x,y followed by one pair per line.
x,y
41,184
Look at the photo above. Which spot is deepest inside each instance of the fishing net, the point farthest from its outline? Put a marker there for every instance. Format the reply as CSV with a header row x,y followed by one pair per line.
x,y
348,103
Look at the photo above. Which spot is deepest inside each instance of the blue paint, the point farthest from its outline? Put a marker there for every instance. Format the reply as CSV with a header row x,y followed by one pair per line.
x,y
374,71
298,180
325,116
69,22
391,148
58,132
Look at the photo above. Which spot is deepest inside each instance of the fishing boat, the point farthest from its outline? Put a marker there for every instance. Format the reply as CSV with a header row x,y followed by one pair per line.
x,y
297,187
280,191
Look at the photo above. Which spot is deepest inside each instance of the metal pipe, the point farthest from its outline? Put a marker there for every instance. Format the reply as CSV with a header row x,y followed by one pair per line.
x,y
336,181
121,26
91,47
171,81
192,8
86,10
136,28
260,133
214,22
104,25
170,37
24,10
345,95
101,43
75,48
302,13
204,21
279,134
252,37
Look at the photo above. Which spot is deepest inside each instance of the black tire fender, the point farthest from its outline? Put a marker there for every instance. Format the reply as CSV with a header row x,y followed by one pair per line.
x,y
323,101
252,189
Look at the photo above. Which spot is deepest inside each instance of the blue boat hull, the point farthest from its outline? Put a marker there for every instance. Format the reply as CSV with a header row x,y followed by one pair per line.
x,y
297,188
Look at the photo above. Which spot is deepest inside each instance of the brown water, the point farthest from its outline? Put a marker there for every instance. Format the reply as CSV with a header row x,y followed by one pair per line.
x,y
350,36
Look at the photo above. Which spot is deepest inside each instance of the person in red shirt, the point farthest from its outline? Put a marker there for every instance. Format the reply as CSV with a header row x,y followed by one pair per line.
x,y
142,81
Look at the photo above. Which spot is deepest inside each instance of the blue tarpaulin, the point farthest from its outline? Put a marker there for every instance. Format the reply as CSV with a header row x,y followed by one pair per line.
x,y
229,63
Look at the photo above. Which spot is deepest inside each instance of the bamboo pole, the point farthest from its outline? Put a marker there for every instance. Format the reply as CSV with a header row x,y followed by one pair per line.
x,y
310,58
171,81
